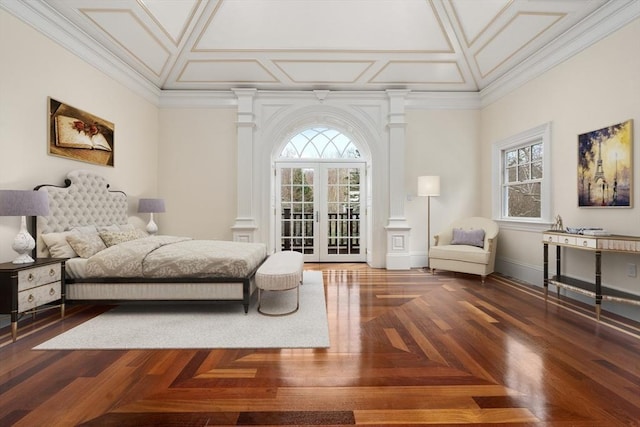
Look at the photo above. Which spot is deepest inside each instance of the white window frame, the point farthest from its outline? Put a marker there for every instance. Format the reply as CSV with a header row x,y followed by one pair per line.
x,y
538,134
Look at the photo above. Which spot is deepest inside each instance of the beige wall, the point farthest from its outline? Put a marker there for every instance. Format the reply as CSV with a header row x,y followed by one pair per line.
x,y
197,153
597,88
444,143
34,68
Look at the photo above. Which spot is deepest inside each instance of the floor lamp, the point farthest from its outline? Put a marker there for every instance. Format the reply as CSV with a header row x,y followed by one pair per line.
x,y
428,186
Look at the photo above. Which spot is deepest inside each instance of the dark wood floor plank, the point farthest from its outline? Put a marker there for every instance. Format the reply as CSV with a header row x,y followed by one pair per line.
x,y
406,347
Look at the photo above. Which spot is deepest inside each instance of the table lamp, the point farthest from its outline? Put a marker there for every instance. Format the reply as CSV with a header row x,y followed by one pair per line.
x,y
23,203
151,206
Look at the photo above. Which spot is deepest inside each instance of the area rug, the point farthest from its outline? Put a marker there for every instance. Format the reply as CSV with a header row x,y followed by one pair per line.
x,y
207,325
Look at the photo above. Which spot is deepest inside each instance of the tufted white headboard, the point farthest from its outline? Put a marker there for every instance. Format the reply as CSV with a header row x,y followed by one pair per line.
x,y
84,200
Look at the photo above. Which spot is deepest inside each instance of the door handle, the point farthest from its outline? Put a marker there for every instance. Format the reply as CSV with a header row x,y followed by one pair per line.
x,y
317,217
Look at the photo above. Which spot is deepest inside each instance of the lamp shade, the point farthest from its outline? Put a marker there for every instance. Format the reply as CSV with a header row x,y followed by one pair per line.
x,y
429,185
150,205
23,203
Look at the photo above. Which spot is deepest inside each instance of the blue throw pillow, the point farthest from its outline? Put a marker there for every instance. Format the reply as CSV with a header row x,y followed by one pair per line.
x,y
468,237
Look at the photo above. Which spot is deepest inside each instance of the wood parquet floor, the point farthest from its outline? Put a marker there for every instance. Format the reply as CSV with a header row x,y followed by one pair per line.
x,y
407,347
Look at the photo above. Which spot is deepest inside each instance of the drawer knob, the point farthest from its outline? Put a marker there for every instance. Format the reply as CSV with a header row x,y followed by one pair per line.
x,y
550,238
30,277
31,298
584,243
52,291
566,240
52,272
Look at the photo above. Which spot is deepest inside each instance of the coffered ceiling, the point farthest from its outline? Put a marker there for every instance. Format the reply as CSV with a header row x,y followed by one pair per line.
x,y
421,45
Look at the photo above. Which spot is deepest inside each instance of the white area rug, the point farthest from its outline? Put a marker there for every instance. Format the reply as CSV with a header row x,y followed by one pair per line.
x,y
200,325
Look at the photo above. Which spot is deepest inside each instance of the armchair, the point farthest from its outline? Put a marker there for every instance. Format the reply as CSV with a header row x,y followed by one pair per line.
x,y
466,246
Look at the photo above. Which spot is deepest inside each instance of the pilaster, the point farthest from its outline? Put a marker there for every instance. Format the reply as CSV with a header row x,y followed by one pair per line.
x,y
245,225
398,231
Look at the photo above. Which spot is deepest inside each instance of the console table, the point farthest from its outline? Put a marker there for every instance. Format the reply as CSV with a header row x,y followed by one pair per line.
x,y
597,245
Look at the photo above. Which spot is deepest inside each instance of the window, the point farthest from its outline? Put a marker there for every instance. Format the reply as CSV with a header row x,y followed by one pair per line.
x,y
522,176
320,143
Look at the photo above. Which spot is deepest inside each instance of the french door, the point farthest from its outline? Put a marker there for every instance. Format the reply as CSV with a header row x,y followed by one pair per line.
x,y
320,210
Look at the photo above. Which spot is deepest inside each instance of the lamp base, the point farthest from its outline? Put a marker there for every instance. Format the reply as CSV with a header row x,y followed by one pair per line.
x,y
152,227
23,244
23,259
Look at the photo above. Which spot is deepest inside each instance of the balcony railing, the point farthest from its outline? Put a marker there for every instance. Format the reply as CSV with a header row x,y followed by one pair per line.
x,y
343,234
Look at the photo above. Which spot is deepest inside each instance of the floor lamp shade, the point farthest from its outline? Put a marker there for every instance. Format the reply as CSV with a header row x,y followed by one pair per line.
x,y
429,185
151,206
23,203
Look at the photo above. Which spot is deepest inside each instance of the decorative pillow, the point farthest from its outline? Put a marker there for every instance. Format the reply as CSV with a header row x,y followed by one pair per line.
x,y
57,244
86,245
111,238
116,227
86,229
112,227
468,237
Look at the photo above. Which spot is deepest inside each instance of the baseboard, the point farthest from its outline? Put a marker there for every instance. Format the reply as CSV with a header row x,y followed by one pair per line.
x,y
534,275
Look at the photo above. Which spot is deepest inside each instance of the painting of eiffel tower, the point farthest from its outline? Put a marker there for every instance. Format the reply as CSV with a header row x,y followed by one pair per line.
x,y
605,169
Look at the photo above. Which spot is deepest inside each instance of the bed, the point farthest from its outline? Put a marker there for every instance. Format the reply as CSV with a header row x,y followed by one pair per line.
x,y
109,260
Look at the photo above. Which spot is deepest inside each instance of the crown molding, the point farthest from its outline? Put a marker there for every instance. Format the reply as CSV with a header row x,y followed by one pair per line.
x,y
39,15
595,27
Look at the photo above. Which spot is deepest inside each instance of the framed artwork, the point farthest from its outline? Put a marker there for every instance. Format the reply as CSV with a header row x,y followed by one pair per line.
x,y
605,166
78,135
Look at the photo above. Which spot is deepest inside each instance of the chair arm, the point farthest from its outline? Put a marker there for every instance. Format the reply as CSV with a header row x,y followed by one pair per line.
x,y
489,244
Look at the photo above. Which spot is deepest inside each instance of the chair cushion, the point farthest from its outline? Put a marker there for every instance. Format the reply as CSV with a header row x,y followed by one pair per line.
x,y
464,253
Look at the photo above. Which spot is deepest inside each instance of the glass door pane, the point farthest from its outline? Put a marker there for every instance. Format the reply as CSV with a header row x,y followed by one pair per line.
x,y
296,210
342,214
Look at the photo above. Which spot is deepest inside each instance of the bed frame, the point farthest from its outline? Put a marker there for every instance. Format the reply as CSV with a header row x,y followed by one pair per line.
x,y
85,199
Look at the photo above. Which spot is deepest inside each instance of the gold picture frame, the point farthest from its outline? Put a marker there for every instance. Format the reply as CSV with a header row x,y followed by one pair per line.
x,y
78,135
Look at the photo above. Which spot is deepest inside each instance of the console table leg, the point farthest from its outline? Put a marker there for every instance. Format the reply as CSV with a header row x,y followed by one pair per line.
x,y
546,269
598,283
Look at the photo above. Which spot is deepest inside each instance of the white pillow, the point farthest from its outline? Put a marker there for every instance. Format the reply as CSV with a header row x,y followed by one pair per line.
x,y
86,229
58,245
116,227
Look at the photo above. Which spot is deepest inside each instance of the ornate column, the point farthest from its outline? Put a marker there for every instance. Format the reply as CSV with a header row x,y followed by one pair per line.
x,y
245,224
398,230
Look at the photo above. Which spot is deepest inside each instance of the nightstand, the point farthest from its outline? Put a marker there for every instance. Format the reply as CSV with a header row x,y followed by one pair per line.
x,y
25,288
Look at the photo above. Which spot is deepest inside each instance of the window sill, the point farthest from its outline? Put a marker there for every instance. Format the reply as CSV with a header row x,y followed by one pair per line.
x,y
518,225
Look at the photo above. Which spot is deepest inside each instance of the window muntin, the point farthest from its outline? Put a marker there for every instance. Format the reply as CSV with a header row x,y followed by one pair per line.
x,y
320,143
524,173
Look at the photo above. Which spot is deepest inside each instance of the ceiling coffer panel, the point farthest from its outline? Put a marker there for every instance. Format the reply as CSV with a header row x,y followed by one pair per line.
x,y
223,71
323,71
130,32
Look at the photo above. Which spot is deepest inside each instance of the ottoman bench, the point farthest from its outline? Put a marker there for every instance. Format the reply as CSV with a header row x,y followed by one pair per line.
x,y
281,271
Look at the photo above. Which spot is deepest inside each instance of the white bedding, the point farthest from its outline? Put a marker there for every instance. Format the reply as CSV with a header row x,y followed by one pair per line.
x,y
75,268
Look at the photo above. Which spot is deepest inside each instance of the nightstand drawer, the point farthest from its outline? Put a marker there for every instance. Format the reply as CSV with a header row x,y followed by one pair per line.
x,y
35,297
34,277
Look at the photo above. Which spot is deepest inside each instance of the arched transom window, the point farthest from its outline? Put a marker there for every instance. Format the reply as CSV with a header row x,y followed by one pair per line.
x,y
320,143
